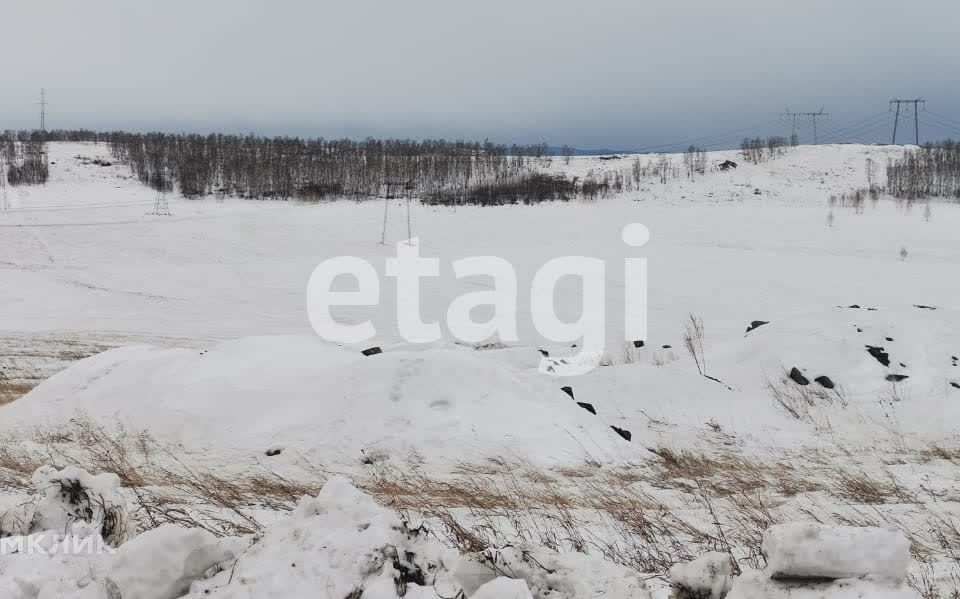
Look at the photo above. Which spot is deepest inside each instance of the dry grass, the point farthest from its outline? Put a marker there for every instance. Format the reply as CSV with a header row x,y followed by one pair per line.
x,y
727,473
859,488
939,452
12,391
801,401
648,517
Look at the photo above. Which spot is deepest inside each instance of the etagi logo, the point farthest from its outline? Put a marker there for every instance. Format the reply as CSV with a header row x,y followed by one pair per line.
x,y
408,267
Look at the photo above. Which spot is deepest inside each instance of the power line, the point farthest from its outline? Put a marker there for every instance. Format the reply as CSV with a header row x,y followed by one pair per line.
x,y
813,116
856,131
938,122
704,140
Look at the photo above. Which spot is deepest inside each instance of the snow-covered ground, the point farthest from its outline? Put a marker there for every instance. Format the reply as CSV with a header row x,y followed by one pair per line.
x,y
216,365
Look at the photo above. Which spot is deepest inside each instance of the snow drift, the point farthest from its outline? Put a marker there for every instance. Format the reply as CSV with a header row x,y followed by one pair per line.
x,y
332,406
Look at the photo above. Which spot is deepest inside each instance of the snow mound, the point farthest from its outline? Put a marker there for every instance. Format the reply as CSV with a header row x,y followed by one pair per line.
x,y
816,561
710,576
552,575
344,543
755,585
238,399
159,564
164,562
503,588
73,502
809,550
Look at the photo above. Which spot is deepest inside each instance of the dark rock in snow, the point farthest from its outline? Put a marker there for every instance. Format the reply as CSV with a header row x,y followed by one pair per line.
x,y
727,165
544,353
859,330
372,351
854,306
667,346
622,432
797,377
273,451
638,343
825,382
924,307
568,391
588,407
879,354
757,323
889,338
896,378
955,385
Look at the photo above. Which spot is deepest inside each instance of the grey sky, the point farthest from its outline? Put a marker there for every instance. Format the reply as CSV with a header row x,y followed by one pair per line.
x,y
592,73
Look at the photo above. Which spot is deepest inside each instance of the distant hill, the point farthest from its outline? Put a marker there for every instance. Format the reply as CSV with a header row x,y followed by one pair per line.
x,y
558,151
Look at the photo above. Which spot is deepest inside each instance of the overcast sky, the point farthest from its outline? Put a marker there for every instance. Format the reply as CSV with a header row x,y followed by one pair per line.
x,y
591,73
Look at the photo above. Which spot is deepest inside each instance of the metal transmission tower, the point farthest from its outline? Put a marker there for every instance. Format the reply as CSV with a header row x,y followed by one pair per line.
x,y
917,102
397,188
813,116
161,207
43,110
793,117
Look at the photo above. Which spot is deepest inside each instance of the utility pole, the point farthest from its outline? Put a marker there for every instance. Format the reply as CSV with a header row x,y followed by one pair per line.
x,y
917,102
43,110
811,115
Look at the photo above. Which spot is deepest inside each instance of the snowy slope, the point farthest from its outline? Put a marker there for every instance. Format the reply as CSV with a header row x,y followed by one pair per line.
x,y
82,256
312,400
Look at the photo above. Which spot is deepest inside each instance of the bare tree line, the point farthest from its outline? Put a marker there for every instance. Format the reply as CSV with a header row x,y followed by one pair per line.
x,y
930,171
284,168
758,149
26,161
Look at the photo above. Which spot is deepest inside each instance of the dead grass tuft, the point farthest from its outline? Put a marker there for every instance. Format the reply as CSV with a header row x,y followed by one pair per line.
x,y
11,391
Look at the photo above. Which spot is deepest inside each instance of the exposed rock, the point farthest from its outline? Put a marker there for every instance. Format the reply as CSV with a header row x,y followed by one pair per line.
x,y
756,324
797,377
622,432
825,382
372,351
588,407
568,391
879,354
896,378
638,343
